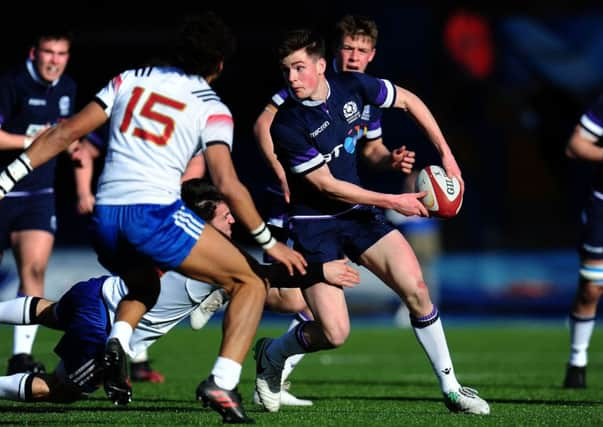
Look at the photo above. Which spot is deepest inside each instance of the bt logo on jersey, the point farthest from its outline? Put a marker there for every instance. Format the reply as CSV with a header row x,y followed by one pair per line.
x,y
354,135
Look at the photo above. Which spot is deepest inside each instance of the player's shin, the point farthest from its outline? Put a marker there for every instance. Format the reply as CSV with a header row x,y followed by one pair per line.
x,y
430,334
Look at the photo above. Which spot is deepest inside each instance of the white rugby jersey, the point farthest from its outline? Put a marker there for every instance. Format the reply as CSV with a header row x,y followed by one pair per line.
x,y
178,297
160,118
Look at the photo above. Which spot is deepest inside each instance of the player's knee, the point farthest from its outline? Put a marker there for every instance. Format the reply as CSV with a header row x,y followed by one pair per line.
x,y
418,298
144,289
285,301
34,273
38,387
250,284
337,335
591,273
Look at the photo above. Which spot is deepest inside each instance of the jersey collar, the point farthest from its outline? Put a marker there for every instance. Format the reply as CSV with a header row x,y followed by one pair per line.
x,y
311,102
31,69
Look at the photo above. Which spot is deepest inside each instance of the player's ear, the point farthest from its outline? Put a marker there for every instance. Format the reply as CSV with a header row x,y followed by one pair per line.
x,y
372,55
321,65
32,53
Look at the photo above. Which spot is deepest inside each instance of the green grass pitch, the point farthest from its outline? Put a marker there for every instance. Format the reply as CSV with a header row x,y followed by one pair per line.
x,y
379,378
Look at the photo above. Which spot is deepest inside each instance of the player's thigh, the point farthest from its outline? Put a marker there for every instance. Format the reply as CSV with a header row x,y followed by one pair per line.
x,y
286,300
393,261
214,259
329,308
32,248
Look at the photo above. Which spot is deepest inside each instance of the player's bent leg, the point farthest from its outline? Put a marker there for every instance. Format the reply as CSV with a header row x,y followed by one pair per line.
x,y
330,330
214,259
327,304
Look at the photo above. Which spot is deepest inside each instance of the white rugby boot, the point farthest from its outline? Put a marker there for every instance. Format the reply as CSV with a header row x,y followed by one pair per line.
x,y
267,377
466,400
208,307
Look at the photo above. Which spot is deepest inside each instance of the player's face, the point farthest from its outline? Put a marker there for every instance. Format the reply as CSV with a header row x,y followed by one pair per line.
x,y
223,219
355,53
303,73
51,57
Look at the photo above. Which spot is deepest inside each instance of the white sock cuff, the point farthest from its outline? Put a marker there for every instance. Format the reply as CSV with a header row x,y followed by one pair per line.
x,y
123,332
226,372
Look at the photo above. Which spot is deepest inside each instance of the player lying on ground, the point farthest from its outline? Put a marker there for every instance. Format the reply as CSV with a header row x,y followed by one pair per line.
x,y
85,320
85,317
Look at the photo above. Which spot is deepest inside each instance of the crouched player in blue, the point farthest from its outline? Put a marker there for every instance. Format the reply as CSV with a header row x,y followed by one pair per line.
x,y
315,133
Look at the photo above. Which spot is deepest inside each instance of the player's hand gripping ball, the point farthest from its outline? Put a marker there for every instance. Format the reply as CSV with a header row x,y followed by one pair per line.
x,y
444,197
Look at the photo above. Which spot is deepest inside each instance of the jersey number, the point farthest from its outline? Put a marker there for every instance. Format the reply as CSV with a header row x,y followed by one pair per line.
x,y
147,112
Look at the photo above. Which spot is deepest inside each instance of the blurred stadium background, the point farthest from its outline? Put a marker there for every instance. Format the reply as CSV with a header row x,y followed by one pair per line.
x,y
507,83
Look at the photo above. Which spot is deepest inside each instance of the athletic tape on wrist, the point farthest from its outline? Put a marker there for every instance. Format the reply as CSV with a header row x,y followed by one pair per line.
x,y
27,142
270,243
263,236
19,168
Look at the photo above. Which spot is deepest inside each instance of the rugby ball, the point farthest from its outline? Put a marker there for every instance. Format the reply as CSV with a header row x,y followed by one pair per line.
x,y
444,197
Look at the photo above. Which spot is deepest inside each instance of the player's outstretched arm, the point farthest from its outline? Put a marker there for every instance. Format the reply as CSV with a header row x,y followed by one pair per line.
x,y
411,103
337,273
50,143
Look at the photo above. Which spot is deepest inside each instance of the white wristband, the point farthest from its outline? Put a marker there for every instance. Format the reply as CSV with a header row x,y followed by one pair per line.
x,y
270,243
20,167
27,142
263,236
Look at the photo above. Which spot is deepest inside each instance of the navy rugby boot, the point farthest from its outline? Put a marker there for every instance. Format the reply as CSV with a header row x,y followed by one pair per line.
x,y
115,382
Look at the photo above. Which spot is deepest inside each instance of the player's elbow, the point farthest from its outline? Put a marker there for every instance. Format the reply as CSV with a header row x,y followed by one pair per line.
x,y
569,152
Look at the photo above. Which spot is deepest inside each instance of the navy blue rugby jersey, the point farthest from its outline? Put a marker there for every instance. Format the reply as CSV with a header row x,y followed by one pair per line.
x,y
309,134
28,103
371,114
592,122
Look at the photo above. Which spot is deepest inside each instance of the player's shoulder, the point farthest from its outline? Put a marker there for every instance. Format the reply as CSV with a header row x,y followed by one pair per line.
x,y
68,82
289,110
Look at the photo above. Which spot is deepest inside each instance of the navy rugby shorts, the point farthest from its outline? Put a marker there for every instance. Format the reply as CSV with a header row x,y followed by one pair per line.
x,y
35,212
351,234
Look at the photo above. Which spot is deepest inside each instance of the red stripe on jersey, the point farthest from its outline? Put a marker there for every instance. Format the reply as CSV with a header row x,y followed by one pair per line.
x,y
117,82
219,118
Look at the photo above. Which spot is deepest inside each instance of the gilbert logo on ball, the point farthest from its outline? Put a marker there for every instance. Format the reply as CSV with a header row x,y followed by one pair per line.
x,y
443,197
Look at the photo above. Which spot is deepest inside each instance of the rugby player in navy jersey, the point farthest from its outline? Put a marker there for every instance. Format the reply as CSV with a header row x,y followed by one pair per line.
x,y
586,145
33,96
315,133
354,47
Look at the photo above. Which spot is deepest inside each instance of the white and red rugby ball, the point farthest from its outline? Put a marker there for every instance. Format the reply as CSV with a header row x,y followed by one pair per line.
x,y
444,197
